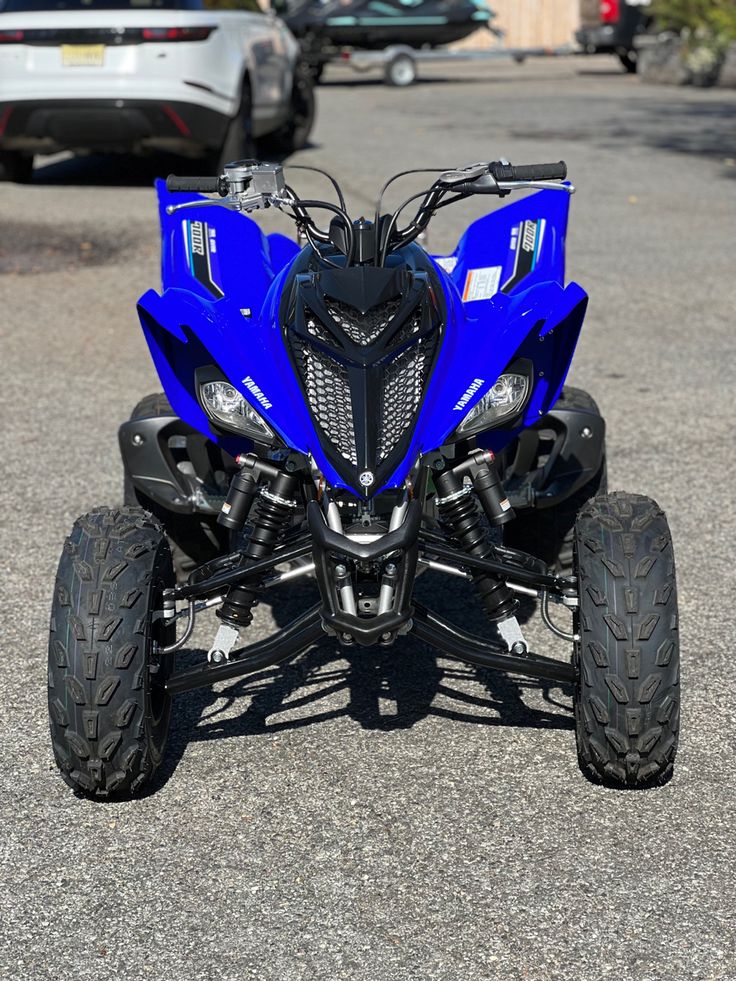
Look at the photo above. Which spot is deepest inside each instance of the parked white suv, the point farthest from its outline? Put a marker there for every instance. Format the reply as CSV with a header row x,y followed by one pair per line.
x,y
197,77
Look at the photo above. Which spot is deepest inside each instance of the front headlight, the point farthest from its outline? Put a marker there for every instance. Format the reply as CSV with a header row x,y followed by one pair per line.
x,y
501,402
227,407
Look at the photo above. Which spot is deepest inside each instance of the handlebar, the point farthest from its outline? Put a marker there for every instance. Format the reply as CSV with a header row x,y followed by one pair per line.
x,y
202,185
529,172
247,185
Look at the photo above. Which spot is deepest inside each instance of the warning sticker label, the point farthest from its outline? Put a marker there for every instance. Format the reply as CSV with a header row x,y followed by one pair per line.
x,y
481,284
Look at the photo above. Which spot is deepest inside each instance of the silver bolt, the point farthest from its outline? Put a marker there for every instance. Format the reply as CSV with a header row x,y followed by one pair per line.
x,y
390,569
217,657
386,636
341,570
541,374
138,439
586,432
518,648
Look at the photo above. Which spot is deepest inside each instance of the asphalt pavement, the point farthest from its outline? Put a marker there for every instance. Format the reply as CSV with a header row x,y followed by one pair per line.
x,y
386,815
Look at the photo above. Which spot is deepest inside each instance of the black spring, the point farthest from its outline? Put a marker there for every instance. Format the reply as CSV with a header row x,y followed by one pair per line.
x,y
459,513
271,517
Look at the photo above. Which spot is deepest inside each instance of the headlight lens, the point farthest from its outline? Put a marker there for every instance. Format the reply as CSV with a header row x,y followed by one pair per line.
x,y
227,407
502,401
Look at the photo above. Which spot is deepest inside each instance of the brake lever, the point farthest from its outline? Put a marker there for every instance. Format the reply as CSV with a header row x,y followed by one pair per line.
x,y
222,203
507,186
463,174
237,202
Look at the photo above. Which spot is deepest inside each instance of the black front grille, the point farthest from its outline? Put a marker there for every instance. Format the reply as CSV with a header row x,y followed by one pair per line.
x,y
404,380
361,328
328,393
364,374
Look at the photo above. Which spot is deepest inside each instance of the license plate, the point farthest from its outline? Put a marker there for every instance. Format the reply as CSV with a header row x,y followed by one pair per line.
x,y
82,55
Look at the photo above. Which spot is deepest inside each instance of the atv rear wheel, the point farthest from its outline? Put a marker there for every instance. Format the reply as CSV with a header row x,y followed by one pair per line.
x,y
627,695
194,538
108,708
548,532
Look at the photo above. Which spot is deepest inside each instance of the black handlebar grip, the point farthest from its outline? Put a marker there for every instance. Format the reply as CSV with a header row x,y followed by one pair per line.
x,y
204,185
530,172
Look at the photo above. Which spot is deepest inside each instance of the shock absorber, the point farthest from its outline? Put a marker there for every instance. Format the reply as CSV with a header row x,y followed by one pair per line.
x,y
271,516
459,512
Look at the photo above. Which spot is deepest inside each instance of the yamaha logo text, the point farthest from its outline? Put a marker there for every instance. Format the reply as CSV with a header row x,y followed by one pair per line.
x,y
468,394
255,390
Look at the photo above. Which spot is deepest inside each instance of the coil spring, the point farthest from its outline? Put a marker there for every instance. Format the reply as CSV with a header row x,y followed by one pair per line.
x,y
272,514
461,517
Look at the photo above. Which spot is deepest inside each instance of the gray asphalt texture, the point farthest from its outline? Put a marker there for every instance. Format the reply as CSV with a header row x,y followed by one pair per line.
x,y
388,814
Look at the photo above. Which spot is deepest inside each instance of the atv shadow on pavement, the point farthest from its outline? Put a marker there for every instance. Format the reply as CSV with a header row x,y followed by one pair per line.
x,y
387,688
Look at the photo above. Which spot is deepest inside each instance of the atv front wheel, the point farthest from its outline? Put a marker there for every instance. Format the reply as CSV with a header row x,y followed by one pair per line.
x,y
108,708
627,696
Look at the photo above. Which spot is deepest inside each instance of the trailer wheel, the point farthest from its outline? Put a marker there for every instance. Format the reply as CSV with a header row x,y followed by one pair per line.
x,y
400,71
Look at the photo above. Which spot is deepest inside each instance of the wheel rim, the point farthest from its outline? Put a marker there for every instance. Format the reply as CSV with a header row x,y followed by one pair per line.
x,y
402,72
159,634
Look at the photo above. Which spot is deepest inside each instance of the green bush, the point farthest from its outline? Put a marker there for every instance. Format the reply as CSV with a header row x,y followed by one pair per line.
x,y
714,19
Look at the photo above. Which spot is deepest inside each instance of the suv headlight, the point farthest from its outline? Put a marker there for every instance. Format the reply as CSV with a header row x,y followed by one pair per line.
x,y
225,406
501,402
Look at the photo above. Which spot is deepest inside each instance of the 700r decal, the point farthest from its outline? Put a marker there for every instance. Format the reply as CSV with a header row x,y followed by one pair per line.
x,y
528,245
201,246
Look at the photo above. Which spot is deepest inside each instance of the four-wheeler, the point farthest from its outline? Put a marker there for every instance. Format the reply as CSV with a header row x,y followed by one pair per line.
x,y
361,412
201,78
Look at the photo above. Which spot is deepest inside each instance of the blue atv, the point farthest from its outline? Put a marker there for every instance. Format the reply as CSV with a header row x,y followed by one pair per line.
x,y
356,411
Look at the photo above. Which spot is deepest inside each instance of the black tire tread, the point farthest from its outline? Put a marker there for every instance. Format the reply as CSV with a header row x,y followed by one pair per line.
x,y
627,698
98,652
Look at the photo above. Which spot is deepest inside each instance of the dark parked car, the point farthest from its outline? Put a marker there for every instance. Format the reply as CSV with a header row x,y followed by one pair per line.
x,y
611,26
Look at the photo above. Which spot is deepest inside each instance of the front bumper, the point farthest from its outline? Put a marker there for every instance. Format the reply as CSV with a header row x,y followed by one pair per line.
x,y
49,126
599,38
